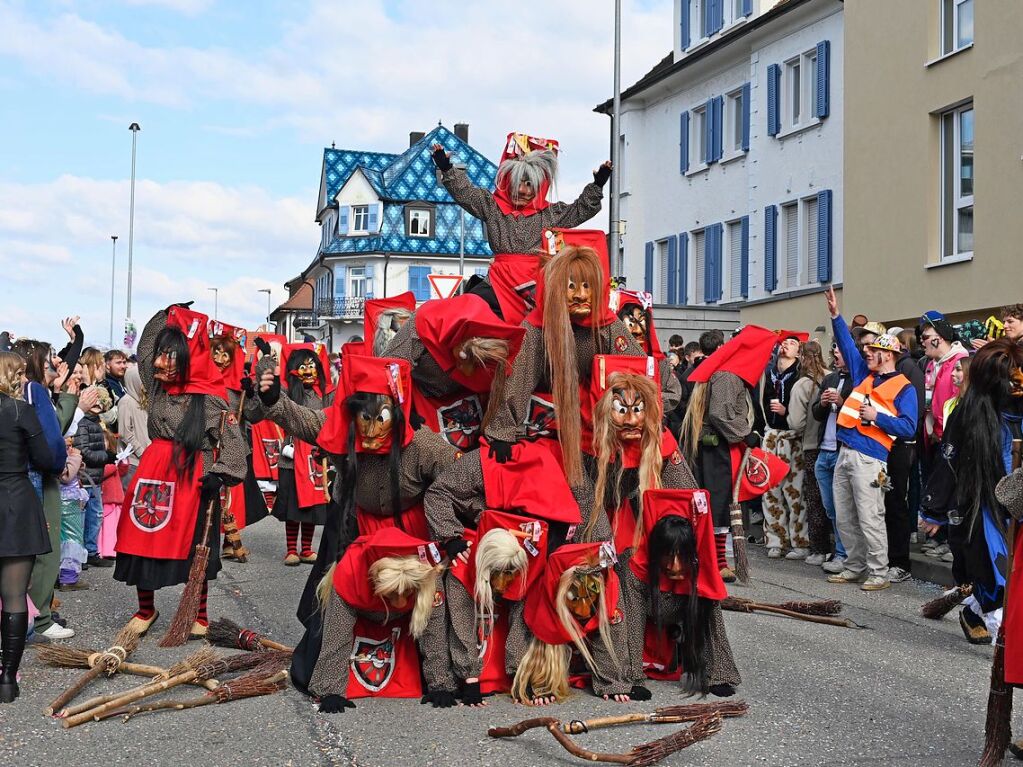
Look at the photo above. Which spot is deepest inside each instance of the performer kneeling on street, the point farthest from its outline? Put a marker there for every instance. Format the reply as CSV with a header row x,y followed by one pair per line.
x,y
197,449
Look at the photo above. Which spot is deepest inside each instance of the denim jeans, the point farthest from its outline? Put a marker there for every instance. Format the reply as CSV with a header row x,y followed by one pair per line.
x,y
93,520
824,470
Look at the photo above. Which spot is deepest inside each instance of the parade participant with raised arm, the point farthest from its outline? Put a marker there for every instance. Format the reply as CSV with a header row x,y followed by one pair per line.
x,y
197,449
517,212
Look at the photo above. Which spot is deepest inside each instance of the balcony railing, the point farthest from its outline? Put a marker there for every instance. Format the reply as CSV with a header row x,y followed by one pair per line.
x,y
342,308
306,321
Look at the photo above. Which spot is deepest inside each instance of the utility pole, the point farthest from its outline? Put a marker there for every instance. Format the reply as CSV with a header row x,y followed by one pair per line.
x,y
113,275
216,293
617,258
134,128
267,291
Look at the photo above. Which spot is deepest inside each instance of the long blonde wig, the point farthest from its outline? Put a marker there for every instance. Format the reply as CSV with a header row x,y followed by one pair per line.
x,y
497,550
12,368
608,450
692,423
583,265
490,353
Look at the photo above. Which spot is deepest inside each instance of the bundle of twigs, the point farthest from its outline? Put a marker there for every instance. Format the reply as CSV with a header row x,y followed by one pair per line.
x,y
188,608
640,756
203,664
813,612
70,657
108,662
690,712
737,528
938,608
224,632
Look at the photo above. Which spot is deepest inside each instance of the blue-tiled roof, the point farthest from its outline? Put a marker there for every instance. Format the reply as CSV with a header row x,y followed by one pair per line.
x,y
338,165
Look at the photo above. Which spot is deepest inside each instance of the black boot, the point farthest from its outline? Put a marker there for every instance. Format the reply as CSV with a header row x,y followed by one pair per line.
x,y
13,628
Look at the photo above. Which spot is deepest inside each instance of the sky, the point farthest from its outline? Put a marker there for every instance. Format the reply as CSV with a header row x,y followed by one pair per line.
x,y
236,102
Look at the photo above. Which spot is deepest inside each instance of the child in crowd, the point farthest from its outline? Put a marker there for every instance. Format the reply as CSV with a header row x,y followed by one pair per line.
x,y
72,522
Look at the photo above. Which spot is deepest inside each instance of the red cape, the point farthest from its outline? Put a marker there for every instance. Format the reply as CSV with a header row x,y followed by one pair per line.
x,y
377,306
746,355
370,375
203,376
516,145
536,551
531,483
444,323
554,241
351,576
541,613
693,505
236,370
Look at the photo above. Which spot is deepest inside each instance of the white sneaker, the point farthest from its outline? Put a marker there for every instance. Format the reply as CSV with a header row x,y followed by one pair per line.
x,y
797,554
774,553
815,559
834,565
939,551
56,631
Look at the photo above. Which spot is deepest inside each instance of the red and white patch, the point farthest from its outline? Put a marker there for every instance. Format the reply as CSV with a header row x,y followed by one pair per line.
x,y
438,598
676,458
621,344
152,504
373,661
700,502
617,617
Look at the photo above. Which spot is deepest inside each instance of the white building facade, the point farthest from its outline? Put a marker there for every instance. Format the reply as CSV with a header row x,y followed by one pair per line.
x,y
732,155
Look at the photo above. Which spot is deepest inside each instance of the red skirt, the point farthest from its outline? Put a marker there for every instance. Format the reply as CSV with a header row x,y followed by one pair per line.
x,y
310,476
161,507
1013,618
267,440
658,651
385,661
493,677
413,520
458,418
514,279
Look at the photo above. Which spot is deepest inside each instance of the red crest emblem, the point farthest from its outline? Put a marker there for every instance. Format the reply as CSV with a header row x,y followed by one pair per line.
x,y
621,344
373,660
676,458
757,473
461,421
527,292
152,504
616,617
484,628
272,451
315,471
540,421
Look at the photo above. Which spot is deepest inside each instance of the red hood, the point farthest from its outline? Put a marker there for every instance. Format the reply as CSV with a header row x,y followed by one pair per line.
x,y
746,356
203,376
517,145
622,298
351,576
535,548
532,482
377,306
236,370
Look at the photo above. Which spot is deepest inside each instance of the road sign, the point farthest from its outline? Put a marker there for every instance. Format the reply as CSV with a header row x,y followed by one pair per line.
x,y
445,285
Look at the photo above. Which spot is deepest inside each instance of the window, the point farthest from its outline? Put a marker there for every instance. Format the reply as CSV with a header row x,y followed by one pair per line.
x,y
804,90
790,233
360,219
957,182
735,121
793,92
810,226
419,221
699,256
956,25
357,281
419,282
698,136
736,268
661,296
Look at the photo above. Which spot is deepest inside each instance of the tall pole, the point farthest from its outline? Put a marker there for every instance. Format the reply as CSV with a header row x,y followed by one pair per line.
x,y
113,274
216,293
267,291
461,241
134,128
617,256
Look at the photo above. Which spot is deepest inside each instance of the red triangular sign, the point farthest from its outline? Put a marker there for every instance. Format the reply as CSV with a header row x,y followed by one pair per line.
x,y
445,285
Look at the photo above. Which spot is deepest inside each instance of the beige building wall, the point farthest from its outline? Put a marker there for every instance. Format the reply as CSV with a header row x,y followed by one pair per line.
x,y
806,313
896,85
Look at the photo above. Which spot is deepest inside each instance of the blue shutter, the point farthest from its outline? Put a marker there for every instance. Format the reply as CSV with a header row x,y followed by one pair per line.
x,y
374,218
340,281
773,107
715,16
708,264
823,84
745,117
648,268
719,127
683,269
419,282
708,132
687,9
747,7
671,294
770,248
342,221
683,143
719,239
744,257
824,236
705,20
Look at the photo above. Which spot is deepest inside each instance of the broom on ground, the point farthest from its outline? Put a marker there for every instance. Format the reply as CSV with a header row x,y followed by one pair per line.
x,y
938,608
188,608
106,662
738,529
690,712
808,611
224,632
70,657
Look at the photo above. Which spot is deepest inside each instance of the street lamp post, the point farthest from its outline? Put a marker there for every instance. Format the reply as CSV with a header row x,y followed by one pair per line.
x,y
134,128
216,293
267,291
113,275
616,253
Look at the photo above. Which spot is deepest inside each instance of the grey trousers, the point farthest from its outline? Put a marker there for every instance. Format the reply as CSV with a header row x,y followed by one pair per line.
x,y
859,508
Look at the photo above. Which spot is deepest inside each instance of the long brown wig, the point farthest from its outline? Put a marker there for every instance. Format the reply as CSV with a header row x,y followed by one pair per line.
x,y
490,353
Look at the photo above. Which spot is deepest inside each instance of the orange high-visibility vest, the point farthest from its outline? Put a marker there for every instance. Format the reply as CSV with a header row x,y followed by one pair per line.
x,y
882,398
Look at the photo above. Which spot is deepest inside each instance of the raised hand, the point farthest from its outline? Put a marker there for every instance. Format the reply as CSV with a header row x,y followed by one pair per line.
x,y
69,326
602,173
441,158
829,296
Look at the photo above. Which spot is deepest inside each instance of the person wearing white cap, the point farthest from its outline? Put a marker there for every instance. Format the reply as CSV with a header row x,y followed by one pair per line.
x,y
881,408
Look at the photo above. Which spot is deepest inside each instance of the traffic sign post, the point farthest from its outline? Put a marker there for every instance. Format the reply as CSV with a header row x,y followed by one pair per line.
x,y
445,285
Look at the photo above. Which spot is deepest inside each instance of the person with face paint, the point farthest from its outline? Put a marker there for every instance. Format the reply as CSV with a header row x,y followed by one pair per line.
x,y
572,323
461,354
635,309
380,599
672,590
197,448
517,212
975,454
574,606
303,480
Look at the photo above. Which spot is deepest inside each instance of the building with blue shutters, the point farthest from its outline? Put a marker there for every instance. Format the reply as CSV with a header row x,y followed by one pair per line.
x,y
732,158
386,223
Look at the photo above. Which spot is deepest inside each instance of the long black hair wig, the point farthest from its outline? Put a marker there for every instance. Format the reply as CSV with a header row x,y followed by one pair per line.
x,y
191,431
296,390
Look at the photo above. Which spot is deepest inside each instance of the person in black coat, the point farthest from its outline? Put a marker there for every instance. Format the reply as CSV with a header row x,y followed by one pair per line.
x,y
23,532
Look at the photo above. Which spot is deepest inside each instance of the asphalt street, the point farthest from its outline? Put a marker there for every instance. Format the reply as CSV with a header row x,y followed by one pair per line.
x,y
903,691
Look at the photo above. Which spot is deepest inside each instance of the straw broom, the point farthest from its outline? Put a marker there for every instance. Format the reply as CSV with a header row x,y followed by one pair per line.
x,y
938,608
736,604
70,657
665,715
224,632
188,607
107,662
738,530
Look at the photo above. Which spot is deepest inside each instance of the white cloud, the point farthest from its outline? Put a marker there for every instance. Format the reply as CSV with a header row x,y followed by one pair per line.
x,y
186,7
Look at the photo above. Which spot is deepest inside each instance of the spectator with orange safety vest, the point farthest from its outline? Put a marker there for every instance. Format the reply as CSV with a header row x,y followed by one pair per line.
x,y
881,408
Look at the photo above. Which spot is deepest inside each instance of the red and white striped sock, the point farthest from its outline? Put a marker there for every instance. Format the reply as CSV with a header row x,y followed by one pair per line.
x,y
308,528
146,607
719,545
291,531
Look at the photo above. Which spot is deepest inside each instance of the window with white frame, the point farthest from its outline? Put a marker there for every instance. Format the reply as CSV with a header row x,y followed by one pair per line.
x,y
734,260
810,226
956,24
698,137
419,222
360,219
357,281
738,10
661,287
696,16
957,182
699,257
733,121
790,242
800,76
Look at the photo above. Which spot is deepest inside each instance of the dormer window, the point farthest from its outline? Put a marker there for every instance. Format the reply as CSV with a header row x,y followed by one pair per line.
x,y
419,221
360,219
